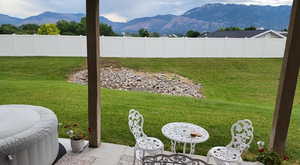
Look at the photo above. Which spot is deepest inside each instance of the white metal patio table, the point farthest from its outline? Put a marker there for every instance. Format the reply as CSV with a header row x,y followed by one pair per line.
x,y
181,132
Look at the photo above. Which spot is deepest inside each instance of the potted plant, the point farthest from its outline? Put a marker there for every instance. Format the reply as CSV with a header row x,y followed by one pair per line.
x,y
267,157
77,137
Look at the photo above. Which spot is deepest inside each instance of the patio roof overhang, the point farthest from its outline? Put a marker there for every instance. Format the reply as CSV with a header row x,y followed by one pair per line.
x,y
286,91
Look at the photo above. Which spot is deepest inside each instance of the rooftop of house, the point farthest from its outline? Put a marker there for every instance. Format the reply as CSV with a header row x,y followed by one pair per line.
x,y
238,33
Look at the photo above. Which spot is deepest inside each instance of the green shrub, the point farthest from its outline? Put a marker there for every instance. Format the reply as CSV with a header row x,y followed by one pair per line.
x,y
269,158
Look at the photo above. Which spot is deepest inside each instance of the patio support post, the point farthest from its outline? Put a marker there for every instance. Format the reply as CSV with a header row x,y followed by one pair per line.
x,y
93,55
287,84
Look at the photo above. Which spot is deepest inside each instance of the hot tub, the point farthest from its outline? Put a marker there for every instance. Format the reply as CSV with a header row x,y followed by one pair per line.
x,y
28,135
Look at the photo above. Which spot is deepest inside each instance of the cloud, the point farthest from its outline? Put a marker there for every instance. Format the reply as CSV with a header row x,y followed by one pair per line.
x,y
25,8
19,8
117,9
114,17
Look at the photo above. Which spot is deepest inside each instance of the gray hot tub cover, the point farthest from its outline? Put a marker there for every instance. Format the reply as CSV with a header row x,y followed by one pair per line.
x,y
44,125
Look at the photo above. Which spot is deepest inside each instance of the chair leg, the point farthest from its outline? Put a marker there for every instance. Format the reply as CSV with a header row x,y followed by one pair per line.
x,y
134,155
140,160
240,162
208,157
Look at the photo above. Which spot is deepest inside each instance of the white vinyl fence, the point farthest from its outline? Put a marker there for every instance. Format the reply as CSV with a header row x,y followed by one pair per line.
x,y
39,45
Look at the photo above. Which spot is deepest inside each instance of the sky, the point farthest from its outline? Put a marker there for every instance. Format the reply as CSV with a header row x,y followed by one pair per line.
x,y
117,10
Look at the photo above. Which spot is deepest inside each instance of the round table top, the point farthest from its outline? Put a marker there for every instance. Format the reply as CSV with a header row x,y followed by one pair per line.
x,y
181,132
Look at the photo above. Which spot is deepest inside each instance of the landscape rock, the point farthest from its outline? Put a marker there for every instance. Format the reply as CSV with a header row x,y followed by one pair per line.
x,y
130,80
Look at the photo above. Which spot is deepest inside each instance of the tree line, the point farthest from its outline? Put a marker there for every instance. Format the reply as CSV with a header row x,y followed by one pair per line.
x,y
237,28
194,34
64,27
61,27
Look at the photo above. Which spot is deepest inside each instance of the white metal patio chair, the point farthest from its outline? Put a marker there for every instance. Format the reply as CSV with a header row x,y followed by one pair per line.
x,y
144,145
242,136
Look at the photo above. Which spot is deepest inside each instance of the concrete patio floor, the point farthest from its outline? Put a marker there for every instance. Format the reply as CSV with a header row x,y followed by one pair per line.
x,y
115,154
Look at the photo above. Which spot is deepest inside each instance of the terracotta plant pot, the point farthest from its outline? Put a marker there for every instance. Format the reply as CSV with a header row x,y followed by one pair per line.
x,y
77,145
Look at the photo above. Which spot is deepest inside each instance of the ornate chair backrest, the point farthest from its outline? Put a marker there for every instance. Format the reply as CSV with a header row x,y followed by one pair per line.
x,y
135,123
242,135
175,159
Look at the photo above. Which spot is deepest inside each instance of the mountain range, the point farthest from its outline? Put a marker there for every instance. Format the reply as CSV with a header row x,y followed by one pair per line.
x,y
209,17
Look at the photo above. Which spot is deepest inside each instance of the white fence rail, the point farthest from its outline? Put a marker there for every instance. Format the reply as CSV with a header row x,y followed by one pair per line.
x,y
38,45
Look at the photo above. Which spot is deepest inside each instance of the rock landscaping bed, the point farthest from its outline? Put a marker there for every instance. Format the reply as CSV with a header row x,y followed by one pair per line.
x,y
127,79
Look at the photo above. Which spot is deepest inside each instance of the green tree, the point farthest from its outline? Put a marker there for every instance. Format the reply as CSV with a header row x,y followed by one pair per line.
x,y
106,30
230,29
144,33
8,29
69,28
29,28
82,26
132,34
48,29
64,27
250,28
192,34
154,34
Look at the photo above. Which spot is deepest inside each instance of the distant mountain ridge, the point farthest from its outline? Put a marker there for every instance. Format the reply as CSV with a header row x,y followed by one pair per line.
x,y
52,17
270,17
5,19
209,17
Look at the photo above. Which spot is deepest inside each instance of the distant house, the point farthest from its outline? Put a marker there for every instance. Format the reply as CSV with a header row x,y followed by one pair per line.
x,y
245,34
284,33
172,36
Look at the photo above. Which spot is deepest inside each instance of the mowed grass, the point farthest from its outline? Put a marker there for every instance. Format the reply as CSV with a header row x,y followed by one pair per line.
x,y
234,89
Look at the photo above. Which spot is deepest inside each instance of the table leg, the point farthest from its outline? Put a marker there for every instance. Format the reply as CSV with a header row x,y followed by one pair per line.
x,y
184,147
173,146
192,150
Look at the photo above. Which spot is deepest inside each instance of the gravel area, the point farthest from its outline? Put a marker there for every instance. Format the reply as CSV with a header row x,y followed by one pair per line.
x,y
128,79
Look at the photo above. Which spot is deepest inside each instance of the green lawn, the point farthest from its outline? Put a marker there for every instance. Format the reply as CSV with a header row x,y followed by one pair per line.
x,y
234,89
